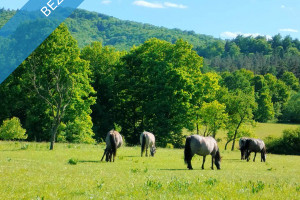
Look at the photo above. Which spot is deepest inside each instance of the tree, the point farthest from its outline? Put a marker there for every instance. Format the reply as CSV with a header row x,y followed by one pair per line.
x,y
213,117
156,82
103,62
60,78
205,89
265,110
240,107
12,129
291,110
291,80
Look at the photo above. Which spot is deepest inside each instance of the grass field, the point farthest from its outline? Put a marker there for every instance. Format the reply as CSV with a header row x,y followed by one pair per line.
x,y
31,171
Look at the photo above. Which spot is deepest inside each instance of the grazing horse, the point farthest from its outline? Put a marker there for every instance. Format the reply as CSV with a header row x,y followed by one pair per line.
x,y
255,145
113,142
202,146
147,139
242,144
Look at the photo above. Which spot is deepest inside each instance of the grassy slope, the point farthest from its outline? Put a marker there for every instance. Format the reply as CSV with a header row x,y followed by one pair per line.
x,y
37,172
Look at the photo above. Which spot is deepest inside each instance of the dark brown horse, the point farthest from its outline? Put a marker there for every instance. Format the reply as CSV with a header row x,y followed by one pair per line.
x,y
255,145
113,142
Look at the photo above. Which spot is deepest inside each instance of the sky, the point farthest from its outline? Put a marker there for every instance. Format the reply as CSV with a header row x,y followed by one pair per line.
x,y
220,18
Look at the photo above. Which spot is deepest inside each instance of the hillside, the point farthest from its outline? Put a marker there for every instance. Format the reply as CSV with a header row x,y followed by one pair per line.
x,y
259,54
88,26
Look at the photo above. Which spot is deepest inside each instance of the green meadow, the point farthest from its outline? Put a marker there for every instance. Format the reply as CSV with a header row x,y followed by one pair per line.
x,y
74,171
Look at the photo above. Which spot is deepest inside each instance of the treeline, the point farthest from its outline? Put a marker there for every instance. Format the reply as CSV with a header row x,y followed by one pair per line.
x,y
62,93
259,55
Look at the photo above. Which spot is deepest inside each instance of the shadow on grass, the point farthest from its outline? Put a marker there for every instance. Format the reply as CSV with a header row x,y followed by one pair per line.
x,y
131,156
234,159
178,169
89,161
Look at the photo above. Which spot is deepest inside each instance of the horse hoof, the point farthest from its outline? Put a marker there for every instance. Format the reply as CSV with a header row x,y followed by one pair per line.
x,y
191,168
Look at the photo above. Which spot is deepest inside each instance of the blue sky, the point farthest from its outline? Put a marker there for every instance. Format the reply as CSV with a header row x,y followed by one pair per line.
x,y
219,18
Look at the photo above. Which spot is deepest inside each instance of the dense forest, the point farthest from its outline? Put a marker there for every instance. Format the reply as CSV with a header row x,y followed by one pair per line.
x,y
174,80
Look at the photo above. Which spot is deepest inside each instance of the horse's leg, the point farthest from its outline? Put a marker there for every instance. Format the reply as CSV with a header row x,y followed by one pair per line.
x,y
203,162
189,162
212,162
103,154
110,155
114,157
248,156
146,151
254,156
262,155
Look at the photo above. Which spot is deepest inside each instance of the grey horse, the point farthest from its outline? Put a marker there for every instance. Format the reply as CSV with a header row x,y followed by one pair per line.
x,y
113,142
147,140
202,146
255,145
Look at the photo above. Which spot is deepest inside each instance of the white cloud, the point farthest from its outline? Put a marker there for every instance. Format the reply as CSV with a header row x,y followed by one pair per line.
x,y
173,5
158,5
288,30
231,35
106,2
148,4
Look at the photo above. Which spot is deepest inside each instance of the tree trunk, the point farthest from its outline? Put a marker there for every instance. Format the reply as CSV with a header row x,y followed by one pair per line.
x,y
227,143
54,130
234,137
214,134
235,133
197,124
53,135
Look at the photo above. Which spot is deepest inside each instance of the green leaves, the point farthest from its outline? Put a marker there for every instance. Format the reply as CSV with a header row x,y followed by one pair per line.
x,y
12,129
156,89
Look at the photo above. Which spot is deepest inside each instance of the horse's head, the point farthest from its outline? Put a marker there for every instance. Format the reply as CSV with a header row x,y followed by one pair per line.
x,y
218,160
152,151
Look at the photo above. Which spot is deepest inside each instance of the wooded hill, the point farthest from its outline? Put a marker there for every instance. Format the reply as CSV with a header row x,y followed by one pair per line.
x,y
258,54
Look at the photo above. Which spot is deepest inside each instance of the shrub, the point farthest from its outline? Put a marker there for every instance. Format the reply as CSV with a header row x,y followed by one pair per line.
x,y
73,161
170,146
12,129
288,144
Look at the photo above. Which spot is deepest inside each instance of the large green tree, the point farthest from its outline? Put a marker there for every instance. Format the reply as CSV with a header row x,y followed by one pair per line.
x,y
61,79
156,83
103,61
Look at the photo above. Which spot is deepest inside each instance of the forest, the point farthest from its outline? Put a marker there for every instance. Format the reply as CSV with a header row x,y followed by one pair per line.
x,y
131,77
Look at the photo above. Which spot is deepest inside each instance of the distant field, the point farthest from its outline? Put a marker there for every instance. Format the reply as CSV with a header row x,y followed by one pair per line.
x,y
31,171
263,130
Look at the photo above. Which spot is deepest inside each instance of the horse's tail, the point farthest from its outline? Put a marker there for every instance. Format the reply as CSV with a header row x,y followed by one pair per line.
x,y
187,149
113,144
143,143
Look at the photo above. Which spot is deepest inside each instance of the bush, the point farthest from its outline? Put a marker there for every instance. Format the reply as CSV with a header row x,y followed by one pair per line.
x,y
288,144
170,146
12,129
73,161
